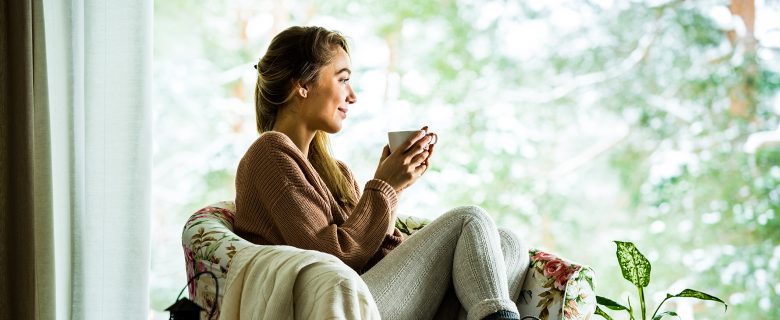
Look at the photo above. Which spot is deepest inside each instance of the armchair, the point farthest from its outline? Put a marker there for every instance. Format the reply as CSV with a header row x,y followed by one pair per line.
x,y
554,288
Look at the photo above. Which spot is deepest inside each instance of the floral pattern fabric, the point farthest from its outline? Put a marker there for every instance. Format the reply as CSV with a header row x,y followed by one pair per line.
x,y
554,288
209,245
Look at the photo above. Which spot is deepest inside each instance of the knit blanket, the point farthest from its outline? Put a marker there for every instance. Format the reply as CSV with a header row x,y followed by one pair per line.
x,y
283,282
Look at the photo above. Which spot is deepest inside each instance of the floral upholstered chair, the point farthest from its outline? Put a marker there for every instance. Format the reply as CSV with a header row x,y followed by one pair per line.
x,y
553,289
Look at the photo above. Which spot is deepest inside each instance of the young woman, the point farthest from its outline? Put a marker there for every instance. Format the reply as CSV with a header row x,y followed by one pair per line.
x,y
291,191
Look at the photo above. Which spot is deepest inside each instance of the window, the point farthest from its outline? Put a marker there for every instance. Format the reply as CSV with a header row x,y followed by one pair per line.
x,y
575,123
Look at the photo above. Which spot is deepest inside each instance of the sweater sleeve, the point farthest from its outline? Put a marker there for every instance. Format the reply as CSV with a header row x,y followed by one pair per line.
x,y
301,218
390,241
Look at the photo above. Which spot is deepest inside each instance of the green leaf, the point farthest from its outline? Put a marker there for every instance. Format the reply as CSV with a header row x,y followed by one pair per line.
x,y
690,293
666,313
602,313
590,282
633,264
609,303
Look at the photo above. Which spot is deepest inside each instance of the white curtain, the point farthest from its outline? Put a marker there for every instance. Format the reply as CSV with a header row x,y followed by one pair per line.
x,y
99,56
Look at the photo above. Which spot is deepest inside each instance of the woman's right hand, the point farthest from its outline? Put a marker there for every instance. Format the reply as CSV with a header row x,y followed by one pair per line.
x,y
403,167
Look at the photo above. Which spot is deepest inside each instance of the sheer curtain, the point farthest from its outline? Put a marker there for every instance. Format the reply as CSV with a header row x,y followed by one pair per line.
x,y
100,56
76,159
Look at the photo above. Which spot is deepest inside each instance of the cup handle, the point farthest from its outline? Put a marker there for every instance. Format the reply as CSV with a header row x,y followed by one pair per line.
x,y
434,138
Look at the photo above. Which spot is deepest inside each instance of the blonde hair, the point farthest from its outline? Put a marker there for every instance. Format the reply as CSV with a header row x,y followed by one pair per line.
x,y
296,55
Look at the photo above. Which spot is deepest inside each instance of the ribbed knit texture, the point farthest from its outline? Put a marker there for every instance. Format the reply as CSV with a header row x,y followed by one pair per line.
x,y
461,251
281,200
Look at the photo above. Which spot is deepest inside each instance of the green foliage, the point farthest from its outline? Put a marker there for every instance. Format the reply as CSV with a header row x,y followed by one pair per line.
x,y
633,264
602,313
612,305
636,269
665,313
690,293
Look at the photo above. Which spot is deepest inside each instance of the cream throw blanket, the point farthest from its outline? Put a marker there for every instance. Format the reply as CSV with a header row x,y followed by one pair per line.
x,y
283,282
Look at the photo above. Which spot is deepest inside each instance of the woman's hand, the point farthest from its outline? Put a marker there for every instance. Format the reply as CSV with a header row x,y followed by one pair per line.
x,y
403,167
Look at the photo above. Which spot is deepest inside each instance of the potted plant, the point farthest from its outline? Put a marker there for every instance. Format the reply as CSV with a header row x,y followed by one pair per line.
x,y
636,269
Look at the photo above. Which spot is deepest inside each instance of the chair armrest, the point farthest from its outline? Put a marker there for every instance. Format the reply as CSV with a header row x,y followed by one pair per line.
x,y
556,288
209,245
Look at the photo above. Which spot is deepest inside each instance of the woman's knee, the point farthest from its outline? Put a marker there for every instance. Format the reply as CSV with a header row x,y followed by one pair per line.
x,y
470,213
513,246
512,241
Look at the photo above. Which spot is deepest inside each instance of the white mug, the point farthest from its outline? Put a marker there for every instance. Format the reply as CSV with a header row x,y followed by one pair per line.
x,y
396,138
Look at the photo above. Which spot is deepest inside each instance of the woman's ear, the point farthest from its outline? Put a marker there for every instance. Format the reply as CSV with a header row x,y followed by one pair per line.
x,y
302,90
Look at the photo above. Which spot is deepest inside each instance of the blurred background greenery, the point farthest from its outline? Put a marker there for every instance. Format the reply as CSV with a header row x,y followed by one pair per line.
x,y
574,122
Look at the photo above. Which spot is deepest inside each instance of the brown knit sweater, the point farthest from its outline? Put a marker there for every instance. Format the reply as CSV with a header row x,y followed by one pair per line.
x,y
281,200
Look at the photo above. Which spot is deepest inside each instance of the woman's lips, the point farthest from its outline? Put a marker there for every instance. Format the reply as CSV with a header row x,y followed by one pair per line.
x,y
343,111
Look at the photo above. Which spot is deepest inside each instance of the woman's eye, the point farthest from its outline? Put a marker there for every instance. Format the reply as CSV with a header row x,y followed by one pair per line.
x,y
344,81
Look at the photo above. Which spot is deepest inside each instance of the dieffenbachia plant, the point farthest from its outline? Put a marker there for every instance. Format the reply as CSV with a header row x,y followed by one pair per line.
x,y
636,269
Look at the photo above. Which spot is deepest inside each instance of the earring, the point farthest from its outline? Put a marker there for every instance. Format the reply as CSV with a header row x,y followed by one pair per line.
x,y
302,91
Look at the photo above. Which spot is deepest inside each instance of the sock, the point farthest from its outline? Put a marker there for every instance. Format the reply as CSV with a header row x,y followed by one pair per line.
x,y
502,315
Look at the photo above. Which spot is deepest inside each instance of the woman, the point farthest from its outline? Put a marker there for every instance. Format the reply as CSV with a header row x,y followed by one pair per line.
x,y
290,191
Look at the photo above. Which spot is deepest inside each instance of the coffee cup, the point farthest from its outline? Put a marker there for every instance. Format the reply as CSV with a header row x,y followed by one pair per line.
x,y
396,138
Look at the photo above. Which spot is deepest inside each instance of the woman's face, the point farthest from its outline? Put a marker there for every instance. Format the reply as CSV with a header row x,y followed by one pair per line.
x,y
329,98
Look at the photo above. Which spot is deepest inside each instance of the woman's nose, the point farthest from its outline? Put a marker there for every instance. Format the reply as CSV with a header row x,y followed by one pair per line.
x,y
351,97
